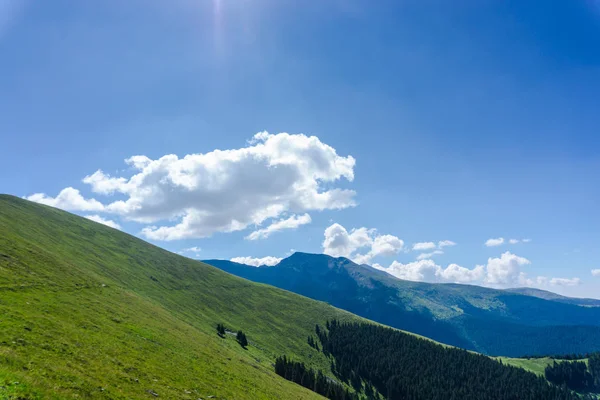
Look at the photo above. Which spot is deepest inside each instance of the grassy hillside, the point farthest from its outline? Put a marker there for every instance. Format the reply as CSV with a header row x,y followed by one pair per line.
x,y
489,321
87,311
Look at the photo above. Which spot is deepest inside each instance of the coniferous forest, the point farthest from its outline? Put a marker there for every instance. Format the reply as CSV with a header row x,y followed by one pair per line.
x,y
576,375
375,359
317,382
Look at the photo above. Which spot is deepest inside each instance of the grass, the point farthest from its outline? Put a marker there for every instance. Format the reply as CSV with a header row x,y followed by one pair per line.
x,y
535,365
87,311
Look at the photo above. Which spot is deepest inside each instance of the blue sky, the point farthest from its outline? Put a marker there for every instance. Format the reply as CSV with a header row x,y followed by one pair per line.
x,y
433,120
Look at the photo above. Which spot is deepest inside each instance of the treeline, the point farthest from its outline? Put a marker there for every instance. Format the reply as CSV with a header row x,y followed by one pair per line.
x,y
401,366
317,382
576,375
570,357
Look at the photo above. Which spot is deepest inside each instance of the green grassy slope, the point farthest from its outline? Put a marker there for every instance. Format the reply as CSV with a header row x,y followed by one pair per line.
x,y
87,311
535,365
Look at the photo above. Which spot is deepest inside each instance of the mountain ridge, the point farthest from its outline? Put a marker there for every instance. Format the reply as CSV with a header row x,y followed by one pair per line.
x,y
466,316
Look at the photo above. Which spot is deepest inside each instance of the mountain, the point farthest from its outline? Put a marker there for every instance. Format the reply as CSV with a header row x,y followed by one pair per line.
x,y
544,294
495,322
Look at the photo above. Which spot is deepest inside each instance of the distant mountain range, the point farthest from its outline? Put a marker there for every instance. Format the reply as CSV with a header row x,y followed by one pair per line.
x,y
512,322
546,295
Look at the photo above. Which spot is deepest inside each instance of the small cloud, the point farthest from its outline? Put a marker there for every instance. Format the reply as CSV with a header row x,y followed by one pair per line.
x,y
565,281
425,256
257,262
513,241
596,272
424,246
446,243
494,242
526,240
100,220
292,222
195,250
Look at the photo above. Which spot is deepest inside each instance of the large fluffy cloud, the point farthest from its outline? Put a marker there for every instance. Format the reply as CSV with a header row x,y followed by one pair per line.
x,y
257,262
505,270
223,190
339,242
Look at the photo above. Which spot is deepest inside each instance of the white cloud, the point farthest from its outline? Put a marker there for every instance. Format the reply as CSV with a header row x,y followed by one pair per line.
x,y
494,242
222,190
596,272
425,256
257,262
339,242
446,243
505,270
429,271
500,241
193,250
456,273
100,220
423,270
424,246
386,245
565,281
517,241
290,223
68,199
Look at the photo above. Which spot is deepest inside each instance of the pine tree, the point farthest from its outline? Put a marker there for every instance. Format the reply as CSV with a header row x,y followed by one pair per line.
x,y
221,330
241,338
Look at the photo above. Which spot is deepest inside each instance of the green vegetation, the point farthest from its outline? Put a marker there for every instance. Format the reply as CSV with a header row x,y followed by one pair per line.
x,y
87,311
317,382
241,338
580,376
535,365
401,366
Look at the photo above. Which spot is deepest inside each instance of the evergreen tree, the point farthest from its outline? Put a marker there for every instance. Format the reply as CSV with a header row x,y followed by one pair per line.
x,y
221,330
576,375
317,382
241,338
